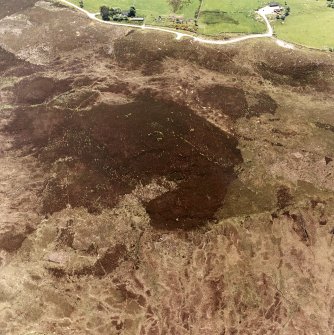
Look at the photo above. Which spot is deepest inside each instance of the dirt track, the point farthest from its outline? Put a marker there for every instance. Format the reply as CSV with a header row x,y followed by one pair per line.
x,y
153,186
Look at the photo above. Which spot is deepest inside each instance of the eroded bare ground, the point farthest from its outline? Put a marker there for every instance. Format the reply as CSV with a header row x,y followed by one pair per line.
x,y
152,186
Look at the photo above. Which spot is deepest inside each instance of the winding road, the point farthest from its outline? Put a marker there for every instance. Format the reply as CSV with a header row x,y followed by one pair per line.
x,y
263,12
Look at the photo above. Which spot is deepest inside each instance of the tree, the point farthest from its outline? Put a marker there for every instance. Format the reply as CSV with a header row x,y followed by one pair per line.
x,y
120,17
104,10
114,11
81,4
132,12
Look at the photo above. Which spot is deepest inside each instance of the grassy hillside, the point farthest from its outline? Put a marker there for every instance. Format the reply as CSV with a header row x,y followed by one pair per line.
x,y
238,16
150,9
216,16
311,23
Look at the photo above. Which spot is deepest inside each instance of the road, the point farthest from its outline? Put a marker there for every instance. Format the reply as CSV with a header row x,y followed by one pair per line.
x,y
263,12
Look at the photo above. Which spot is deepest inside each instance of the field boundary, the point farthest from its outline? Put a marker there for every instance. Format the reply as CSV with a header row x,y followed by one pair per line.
x,y
199,9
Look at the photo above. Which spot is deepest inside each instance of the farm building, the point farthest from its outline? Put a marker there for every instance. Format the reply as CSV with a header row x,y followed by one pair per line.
x,y
136,19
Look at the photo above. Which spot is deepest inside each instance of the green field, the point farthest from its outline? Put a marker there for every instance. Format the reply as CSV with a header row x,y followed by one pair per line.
x,y
217,16
311,23
238,16
150,9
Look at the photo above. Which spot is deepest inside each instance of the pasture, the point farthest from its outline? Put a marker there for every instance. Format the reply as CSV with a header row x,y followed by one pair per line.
x,y
230,16
216,16
150,9
310,23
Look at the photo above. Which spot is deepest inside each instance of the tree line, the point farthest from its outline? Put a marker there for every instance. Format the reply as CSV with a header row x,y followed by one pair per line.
x,y
116,14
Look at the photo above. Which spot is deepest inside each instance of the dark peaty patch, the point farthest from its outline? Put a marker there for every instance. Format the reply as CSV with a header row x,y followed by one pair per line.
x,y
113,148
39,89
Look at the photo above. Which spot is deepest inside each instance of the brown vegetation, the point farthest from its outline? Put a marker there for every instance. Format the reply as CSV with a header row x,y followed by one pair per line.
x,y
154,186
